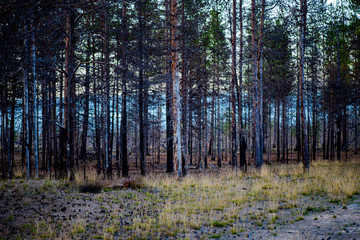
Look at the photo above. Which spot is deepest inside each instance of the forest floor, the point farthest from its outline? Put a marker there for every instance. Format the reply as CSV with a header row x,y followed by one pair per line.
x,y
279,202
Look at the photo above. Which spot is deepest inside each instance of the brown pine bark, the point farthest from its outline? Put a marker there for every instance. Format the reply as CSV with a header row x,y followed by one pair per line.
x,y
69,113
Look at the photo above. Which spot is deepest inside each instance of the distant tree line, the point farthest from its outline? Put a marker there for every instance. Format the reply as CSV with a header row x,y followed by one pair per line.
x,y
106,85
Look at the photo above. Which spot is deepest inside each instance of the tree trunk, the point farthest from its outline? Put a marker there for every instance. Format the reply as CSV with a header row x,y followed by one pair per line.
x,y
345,133
278,131
283,131
338,117
141,92
69,117
232,89
303,9
169,98
184,95
105,107
35,112
242,140
260,78
123,128
86,108
218,127
314,120
44,123
298,146
256,89
26,124
356,131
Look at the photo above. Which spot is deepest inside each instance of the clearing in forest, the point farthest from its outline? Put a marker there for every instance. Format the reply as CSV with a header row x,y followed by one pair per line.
x,y
280,202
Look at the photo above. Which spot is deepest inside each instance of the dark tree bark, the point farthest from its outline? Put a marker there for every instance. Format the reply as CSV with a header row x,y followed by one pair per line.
x,y
169,97
338,114
303,10
44,124
123,128
283,132
356,136
142,144
242,140
35,110
314,120
232,89
278,146
69,117
256,98
184,95
105,101
11,160
298,146
86,109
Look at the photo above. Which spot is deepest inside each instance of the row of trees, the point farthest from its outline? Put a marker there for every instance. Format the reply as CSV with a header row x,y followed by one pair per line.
x,y
123,82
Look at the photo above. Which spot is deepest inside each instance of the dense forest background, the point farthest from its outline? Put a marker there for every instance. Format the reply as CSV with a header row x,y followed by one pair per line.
x,y
110,85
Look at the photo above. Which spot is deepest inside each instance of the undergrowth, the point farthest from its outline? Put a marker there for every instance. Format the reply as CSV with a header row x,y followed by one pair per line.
x,y
217,200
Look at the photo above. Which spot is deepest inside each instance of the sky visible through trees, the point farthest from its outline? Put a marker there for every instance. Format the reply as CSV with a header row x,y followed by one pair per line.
x,y
120,87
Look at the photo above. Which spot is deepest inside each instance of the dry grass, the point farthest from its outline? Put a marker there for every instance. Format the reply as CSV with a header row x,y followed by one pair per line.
x,y
163,206
197,201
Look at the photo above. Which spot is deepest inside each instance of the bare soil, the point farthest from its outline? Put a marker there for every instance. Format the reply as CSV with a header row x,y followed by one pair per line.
x,y
44,209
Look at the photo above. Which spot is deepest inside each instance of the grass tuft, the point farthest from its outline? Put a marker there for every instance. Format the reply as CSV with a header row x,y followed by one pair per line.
x,y
90,188
134,183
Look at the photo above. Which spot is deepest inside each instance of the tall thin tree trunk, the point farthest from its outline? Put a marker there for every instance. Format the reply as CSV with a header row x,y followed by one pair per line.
x,y
123,127
356,131
69,117
86,108
260,79
242,140
105,108
338,115
11,159
218,116
184,95
269,144
141,91
278,130
283,131
35,113
54,128
345,133
303,9
314,121
298,146
232,89
256,89
44,123
24,105
169,97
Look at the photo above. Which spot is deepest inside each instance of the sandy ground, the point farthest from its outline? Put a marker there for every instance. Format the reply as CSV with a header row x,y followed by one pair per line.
x,y
40,209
